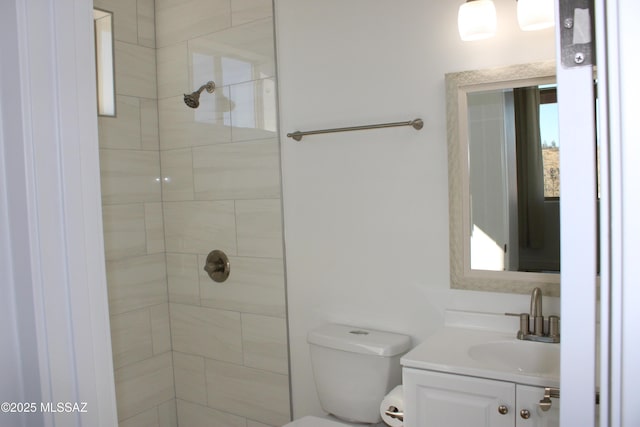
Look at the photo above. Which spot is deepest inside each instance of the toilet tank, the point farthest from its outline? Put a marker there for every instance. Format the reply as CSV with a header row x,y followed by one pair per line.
x,y
354,368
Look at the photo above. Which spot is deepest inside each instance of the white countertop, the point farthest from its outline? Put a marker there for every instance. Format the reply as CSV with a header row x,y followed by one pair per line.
x,y
448,350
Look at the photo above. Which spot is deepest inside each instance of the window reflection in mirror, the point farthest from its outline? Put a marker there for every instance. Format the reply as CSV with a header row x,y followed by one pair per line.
x,y
514,179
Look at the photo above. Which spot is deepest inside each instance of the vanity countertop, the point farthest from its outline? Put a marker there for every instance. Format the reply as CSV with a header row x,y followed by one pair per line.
x,y
487,354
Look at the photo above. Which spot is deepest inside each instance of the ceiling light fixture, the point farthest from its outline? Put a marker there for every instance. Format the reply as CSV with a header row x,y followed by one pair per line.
x,y
535,14
477,20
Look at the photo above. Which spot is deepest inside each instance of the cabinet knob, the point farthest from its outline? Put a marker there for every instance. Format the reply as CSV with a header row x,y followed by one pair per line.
x,y
525,414
503,409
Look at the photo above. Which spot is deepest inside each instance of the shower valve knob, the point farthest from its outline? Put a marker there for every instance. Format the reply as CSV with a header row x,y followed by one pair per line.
x,y
217,266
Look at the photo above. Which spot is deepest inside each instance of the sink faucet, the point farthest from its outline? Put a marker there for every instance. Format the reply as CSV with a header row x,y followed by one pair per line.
x,y
553,336
536,312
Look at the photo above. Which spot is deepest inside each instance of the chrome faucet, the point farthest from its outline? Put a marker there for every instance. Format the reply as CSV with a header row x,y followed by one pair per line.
x,y
553,335
536,312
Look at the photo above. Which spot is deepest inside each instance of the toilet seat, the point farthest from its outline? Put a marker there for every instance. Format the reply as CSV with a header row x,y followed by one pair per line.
x,y
311,421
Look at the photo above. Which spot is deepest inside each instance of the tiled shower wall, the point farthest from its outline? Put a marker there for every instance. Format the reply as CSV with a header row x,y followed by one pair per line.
x,y
219,189
133,226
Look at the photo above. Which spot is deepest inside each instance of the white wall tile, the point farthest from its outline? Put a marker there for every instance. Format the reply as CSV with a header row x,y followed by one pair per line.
x,y
124,230
194,415
163,415
148,418
146,23
178,20
194,36
136,282
182,276
181,126
234,55
259,224
264,343
135,70
168,414
177,175
254,115
131,337
190,378
247,170
160,331
129,176
123,131
255,285
173,70
199,227
243,11
144,385
154,227
260,395
206,332
150,139
251,423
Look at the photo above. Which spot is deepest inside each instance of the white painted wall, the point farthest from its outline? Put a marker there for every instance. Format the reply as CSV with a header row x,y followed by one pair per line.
x,y
366,213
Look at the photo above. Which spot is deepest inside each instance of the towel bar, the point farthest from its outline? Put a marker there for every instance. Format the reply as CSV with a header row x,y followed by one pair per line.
x,y
416,123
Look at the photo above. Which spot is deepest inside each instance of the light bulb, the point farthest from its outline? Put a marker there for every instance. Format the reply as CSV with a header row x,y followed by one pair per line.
x,y
535,14
477,20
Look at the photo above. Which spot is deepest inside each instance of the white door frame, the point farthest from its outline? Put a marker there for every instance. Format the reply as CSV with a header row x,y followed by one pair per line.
x,y
617,34
578,237
51,224
618,67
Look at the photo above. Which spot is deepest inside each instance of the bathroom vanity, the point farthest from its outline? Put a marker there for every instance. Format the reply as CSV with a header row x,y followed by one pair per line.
x,y
462,377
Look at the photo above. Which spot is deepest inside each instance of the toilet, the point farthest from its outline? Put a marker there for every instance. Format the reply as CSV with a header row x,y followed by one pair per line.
x,y
353,368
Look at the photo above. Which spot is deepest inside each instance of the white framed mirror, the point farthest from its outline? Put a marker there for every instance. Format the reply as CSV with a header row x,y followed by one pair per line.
x,y
504,198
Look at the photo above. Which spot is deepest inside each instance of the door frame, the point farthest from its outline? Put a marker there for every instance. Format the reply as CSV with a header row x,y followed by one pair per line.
x,y
52,217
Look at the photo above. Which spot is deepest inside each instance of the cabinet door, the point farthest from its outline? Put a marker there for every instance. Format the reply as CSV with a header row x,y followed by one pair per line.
x,y
528,399
446,400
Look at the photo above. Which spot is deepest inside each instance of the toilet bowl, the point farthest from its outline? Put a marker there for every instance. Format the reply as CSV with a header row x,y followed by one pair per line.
x,y
311,421
353,369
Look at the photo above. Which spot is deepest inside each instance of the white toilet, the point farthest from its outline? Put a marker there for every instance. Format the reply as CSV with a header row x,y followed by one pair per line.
x,y
353,368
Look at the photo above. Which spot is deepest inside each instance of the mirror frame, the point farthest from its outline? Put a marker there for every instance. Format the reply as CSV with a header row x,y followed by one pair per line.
x,y
457,87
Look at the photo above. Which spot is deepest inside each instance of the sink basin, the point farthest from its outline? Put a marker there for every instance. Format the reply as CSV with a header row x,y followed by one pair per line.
x,y
522,356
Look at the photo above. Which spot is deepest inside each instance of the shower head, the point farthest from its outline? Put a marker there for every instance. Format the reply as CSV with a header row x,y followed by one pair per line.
x,y
193,99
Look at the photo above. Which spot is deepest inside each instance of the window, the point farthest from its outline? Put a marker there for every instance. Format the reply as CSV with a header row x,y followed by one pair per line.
x,y
103,29
549,140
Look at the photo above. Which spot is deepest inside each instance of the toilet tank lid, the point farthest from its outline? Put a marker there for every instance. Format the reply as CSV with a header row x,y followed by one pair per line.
x,y
359,340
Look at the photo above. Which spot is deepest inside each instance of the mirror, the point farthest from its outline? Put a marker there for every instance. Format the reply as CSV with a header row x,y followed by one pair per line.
x,y
504,179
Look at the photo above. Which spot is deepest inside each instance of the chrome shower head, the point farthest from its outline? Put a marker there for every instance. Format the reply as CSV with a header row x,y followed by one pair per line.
x,y
193,99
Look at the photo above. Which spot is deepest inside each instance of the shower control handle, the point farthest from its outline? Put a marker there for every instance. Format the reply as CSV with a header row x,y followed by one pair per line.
x,y
217,266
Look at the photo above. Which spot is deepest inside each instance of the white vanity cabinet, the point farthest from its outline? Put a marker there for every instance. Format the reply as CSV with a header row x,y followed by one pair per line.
x,y
449,400
528,399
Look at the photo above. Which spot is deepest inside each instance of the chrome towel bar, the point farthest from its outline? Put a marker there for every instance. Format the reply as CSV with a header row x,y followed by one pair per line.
x,y
416,123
